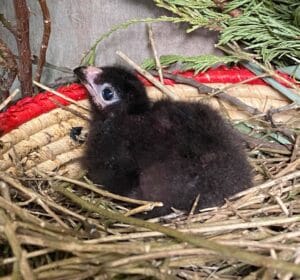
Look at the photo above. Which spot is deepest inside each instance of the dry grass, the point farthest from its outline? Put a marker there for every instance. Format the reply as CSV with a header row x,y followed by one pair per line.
x,y
51,228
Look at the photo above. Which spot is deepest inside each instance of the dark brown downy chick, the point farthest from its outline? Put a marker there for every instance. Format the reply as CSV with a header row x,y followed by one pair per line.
x,y
166,151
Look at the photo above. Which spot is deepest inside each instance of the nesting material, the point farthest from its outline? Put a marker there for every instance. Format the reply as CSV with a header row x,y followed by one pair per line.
x,y
55,227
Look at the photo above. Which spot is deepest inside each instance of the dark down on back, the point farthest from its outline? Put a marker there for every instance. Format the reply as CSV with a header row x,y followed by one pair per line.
x,y
167,151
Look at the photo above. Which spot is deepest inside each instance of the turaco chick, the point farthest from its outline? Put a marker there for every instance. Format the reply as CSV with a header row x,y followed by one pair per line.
x,y
168,151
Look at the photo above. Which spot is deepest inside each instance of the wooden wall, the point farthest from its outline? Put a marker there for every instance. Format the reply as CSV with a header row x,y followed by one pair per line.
x,y
76,24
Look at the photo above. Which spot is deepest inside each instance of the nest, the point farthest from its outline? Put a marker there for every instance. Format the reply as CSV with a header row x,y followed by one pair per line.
x,y
54,226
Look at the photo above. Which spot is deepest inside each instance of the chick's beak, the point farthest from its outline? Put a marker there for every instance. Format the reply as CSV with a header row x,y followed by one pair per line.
x,y
88,75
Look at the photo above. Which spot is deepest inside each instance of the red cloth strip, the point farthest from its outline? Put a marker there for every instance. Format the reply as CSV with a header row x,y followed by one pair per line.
x,y
223,75
31,107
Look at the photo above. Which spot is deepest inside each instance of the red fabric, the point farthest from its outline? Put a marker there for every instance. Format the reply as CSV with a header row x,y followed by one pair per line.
x,y
221,74
31,107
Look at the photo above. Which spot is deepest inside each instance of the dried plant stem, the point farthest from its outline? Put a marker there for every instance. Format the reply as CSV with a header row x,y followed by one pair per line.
x,y
269,184
225,251
296,148
21,266
264,145
283,236
147,271
104,193
67,108
154,255
292,106
25,215
22,38
29,255
148,76
222,5
73,245
122,237
45,40
240,224
9,63
70,100
234,49
9,99
7,24
222,95
195,204
143,208
156,58
292,166
34,196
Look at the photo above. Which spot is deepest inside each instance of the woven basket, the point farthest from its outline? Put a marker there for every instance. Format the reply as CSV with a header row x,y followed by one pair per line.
x,y
43,142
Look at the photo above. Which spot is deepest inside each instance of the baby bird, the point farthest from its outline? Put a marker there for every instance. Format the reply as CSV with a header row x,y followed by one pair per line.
x,y
168,151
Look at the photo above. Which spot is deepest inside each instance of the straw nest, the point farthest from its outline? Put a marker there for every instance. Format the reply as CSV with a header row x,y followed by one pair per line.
x,y
55,224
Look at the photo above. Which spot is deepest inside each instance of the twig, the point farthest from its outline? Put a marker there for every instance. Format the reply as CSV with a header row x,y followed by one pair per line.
x,y
148,76
143,208
74,112
51,213
194,206
282,205
62,81
21,266
45,40
295,149
235,50
98,190
222,5
255,67
203,88
157,61
63,69
225,251
254,223
9,99
261,144
22,38
9,63
151,272
154,255
283,236
292,166
7,24
292,106
5,193
22,212
29,255
70,100
269,184
236,212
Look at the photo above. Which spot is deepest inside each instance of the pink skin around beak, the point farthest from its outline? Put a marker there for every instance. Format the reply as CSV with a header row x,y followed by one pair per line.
x,y
91,73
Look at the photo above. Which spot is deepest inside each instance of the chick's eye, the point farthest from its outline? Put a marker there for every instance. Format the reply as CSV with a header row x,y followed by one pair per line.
x,y
107,94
